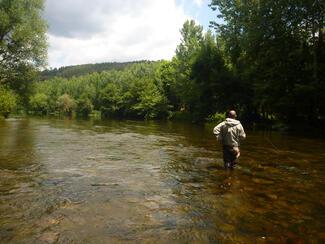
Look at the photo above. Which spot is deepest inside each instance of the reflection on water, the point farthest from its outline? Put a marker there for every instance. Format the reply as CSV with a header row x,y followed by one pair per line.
x,y
118,181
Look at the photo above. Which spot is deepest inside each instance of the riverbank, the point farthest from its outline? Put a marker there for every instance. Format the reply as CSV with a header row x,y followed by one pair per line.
x,y
305,130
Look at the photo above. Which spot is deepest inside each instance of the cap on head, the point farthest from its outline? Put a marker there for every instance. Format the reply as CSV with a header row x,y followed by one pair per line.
x,y
232,114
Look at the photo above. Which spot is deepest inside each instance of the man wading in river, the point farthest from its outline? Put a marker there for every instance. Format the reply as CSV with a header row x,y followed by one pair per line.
x,y
230,132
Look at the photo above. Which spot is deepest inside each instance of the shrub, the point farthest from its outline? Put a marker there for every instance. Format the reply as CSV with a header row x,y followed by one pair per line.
x,y
8,102
216,118
39,103
84,107
65,104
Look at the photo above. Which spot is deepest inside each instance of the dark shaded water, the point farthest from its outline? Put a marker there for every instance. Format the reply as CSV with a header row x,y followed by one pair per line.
x,y
121,181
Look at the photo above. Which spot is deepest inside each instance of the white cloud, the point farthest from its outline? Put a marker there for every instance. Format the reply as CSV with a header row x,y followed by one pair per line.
x,y
108,30
198,2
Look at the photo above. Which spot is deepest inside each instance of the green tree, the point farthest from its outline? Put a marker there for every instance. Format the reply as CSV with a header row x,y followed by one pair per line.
x,y
212,79
39,103
84,106
111,99
185,87
22,37
151,102
165,77
66,104
276,47
23,47
7,102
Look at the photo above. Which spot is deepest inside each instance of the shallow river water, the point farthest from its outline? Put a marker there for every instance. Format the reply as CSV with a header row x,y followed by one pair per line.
x,y
68,181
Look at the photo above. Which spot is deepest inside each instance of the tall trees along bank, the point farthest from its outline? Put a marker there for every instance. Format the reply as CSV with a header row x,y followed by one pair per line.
x,y
266,60
276,48
23,49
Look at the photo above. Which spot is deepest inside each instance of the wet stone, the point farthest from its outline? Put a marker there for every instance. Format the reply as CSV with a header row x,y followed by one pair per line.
x,y
49,237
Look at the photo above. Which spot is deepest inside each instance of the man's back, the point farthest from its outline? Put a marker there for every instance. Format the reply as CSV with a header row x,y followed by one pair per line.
x,y
230,132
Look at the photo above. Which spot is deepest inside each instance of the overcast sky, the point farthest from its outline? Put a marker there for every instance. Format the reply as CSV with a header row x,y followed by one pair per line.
x,y
83,31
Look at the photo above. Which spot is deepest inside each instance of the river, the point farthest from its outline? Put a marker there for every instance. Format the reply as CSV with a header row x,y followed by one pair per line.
x,y
71,181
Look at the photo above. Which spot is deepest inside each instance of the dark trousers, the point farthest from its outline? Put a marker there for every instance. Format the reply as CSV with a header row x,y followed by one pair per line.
x,y
229,157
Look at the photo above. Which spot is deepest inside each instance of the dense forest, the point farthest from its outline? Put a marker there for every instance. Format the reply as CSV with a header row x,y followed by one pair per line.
x,y
83,69
266,61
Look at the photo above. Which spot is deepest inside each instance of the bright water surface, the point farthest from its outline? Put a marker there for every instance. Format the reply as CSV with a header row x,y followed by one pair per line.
x,y
67,181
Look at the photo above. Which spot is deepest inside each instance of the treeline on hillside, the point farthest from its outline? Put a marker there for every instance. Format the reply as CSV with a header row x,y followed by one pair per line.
x,y
84,69
135,91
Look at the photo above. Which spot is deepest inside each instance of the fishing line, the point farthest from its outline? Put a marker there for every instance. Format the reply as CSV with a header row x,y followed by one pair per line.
x,y
270,142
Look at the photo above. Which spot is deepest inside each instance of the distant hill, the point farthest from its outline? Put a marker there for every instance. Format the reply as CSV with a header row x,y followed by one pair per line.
x,y
84,69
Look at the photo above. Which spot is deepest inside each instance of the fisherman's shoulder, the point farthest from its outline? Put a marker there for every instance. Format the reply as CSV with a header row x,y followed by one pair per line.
x,y
232,122
221,123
